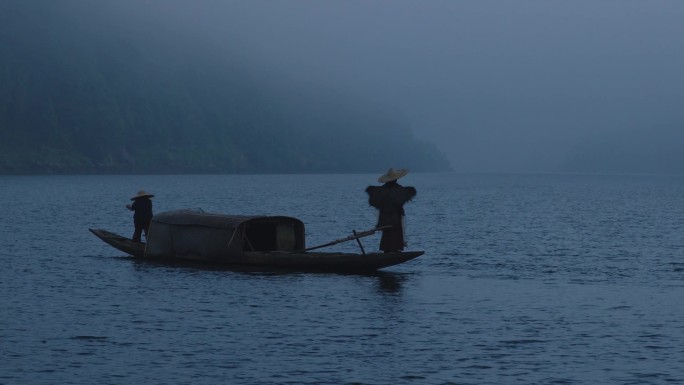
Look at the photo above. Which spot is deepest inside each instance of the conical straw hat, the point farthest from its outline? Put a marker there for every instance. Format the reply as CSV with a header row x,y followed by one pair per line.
x,y
392,174
142,194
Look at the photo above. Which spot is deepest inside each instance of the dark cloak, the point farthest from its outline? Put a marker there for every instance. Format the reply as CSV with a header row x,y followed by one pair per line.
x,y
389,199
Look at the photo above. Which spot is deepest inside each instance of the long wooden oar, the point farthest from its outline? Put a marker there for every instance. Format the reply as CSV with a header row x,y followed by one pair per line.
x,y
349,238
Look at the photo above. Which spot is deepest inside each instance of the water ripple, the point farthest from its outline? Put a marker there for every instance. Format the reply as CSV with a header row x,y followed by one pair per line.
x,y
529,279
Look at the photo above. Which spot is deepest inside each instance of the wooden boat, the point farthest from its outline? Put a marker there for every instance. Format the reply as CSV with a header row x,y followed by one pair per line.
x,y
247,241
135,249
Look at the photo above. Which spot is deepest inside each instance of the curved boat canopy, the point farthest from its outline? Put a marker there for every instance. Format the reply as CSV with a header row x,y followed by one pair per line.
x,y
198,235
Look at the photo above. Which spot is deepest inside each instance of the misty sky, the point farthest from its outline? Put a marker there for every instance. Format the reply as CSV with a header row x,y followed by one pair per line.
x,y
497,85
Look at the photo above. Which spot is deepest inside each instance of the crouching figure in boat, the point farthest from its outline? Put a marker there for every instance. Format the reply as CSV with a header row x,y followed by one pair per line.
x,y
389,199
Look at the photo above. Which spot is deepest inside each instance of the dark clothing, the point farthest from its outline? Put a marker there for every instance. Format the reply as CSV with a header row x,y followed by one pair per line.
x,y
142,217
389,199
141,227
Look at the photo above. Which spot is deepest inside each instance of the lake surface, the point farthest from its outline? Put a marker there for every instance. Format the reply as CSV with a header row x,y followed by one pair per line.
x,y
526,279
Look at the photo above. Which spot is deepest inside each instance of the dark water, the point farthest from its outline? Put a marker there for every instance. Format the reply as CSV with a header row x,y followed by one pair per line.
x,y
525,280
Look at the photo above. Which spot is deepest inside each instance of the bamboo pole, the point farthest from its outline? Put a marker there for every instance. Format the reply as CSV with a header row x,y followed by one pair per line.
x,y
349,238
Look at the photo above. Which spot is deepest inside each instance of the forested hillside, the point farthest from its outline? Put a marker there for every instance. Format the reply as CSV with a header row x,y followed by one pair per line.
x,y
94,96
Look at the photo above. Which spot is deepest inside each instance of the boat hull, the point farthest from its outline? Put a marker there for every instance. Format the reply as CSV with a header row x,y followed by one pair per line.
x,y
136,249
314,261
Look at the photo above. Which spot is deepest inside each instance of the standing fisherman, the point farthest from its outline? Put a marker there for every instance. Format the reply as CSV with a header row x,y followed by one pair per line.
x,y
142,217
389,199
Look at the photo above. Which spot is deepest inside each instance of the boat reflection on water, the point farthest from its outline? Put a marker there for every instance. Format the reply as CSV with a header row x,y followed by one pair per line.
x,y
390,282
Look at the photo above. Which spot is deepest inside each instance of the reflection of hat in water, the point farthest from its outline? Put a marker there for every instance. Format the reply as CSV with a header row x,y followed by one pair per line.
x,y
392,174
142,194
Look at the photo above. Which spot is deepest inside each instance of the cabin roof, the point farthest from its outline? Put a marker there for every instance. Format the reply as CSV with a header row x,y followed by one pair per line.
x,y
200,218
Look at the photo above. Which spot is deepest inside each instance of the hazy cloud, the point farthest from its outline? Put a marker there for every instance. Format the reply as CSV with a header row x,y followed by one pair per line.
x,y
497,85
